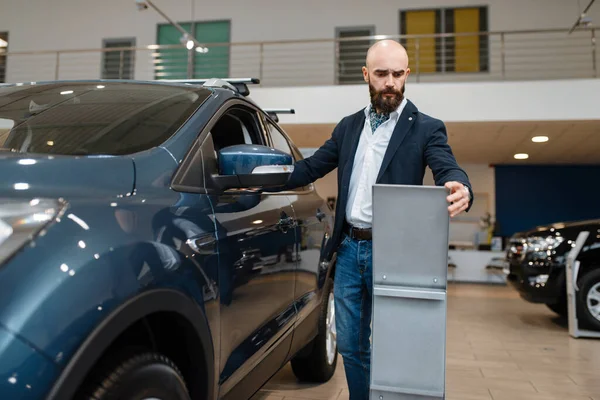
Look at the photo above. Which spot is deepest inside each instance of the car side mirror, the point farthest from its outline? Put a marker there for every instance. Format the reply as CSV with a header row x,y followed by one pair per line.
x,y
253,166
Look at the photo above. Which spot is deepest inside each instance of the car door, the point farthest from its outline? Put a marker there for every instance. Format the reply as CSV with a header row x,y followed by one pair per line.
x,y
312,214
255,239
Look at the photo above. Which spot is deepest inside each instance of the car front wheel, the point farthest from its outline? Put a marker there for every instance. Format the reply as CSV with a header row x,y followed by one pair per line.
x,y
589,299
142,376
319,365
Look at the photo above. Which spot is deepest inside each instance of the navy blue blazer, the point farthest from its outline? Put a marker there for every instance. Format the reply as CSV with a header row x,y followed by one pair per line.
x,y
418,141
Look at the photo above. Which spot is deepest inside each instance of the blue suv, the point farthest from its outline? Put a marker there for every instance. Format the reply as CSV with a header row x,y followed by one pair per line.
x,y
147,249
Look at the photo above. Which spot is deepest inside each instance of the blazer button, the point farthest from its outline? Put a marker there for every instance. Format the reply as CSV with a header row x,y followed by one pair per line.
x,y
410,118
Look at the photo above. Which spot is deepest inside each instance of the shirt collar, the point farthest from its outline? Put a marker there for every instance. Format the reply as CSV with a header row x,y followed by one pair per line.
x,y
395,115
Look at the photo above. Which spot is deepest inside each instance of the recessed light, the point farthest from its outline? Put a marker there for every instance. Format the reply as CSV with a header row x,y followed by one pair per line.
x,y
521,156
539,139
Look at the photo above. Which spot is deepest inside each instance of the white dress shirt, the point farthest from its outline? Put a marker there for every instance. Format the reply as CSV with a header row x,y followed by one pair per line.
x,y
367,162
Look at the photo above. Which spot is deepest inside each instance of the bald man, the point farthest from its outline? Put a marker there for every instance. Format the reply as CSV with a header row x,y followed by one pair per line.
x,y
388,142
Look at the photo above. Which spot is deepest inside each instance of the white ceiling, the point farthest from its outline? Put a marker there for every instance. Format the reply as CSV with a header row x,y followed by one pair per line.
x,y
570,142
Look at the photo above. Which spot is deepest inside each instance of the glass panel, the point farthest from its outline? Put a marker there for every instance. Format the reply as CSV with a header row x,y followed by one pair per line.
x,y
214,62
421,23
171,63
466,20
78,118
279,141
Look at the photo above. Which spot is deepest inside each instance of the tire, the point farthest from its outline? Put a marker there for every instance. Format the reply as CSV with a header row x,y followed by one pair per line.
x,y
145,375
588,299
319,365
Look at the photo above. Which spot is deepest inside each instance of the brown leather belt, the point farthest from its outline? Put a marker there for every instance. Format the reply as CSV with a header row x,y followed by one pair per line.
x,y
358,233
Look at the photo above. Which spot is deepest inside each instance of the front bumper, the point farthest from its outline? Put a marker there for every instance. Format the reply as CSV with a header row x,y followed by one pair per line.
x,y
537,284
24,373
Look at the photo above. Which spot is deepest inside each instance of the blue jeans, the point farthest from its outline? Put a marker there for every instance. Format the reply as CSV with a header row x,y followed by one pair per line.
x,y
353,293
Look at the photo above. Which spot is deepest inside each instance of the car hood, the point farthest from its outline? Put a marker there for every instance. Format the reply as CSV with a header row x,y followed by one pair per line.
x,y
27,175
568,230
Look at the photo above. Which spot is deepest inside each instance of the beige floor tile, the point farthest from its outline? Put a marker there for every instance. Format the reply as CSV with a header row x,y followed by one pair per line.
x,y
499,347
502,394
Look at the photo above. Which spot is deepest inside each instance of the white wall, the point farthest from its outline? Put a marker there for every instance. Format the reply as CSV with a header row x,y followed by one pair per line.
x,y
74,24
451,102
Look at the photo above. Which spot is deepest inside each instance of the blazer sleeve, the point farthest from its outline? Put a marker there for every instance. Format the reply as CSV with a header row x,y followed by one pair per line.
x,y
441,160
323,161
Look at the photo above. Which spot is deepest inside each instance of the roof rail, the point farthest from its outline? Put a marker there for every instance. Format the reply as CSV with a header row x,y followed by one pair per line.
x,y
239,85
273,112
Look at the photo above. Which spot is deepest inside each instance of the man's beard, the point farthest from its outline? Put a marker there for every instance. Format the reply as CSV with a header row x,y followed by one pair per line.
x,y
386,104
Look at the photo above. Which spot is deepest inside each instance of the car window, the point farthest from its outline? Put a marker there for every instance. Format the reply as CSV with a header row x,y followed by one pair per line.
x,y
5,126
236,126
100,118
279,141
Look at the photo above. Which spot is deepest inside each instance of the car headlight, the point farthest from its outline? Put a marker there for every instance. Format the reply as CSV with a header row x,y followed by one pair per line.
x,y
22,220
542,247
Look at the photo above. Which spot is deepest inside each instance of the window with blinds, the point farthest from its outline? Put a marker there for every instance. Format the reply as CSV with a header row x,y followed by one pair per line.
x,y
352,53
464,49
118,64
3,51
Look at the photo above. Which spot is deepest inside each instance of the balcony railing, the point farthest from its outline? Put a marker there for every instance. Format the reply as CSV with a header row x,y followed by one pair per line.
x,y
484,56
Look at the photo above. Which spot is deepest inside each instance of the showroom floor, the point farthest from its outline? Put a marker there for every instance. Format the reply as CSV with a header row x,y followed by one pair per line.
x,y
499,348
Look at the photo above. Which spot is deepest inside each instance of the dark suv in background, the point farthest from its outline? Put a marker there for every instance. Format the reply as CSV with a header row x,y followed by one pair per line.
x,y
536,267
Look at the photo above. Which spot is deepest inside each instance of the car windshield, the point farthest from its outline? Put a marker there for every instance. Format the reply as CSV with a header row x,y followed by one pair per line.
x,y
112,118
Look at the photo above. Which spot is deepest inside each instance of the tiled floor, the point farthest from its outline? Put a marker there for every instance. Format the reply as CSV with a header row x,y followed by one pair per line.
x,y
499,347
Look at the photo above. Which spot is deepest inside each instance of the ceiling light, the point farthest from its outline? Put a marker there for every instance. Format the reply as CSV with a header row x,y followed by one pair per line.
x,y
66,92
100,86
521,156
539,139
3,43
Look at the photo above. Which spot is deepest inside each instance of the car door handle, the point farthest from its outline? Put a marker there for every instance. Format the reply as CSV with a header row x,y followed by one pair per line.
x,y
204,244
285,222
320,215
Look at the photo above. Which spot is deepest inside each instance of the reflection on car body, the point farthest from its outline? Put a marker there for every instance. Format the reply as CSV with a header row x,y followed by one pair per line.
x,y
151,242
536,267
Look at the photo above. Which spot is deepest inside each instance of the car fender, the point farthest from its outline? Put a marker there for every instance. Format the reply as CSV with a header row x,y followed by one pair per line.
x,y
87,274
118,321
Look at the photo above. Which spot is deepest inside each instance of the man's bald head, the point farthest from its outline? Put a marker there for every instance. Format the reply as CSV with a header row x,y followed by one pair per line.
x,y
387,49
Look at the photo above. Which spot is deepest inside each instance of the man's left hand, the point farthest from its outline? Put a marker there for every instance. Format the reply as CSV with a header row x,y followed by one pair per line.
x,y
458,198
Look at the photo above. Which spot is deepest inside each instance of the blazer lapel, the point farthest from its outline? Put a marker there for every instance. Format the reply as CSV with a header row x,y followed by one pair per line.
x,y
355,138
405,122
